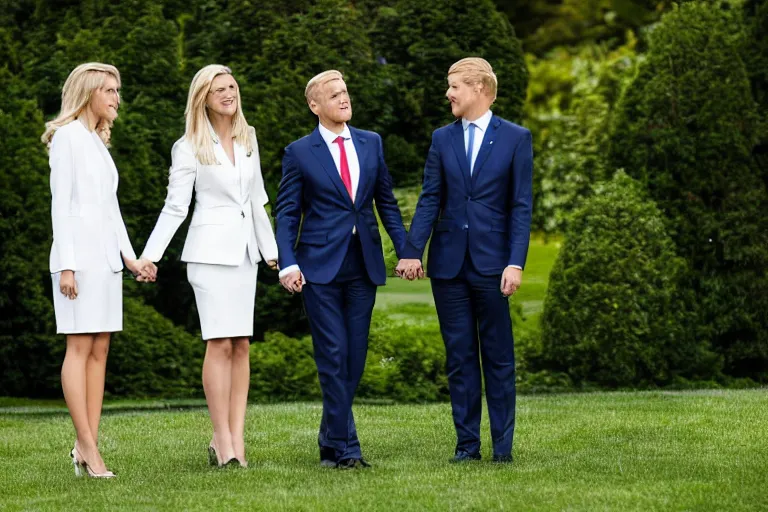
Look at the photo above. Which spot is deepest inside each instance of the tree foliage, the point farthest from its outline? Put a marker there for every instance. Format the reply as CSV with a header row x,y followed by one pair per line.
x,y
686,130
617,312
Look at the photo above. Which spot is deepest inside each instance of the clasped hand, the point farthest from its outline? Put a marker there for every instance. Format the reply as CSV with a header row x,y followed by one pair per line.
x,y
144,270
409,269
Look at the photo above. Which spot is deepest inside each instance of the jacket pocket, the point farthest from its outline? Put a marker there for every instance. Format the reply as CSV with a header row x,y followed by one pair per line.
x,y
313,238
212,217
446,225
499,228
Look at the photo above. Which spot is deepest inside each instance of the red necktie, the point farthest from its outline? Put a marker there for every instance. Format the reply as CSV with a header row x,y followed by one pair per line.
x,y
344,165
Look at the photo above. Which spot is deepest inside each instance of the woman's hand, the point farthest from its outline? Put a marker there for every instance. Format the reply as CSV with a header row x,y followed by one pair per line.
x,y
68,285
272,264
143,269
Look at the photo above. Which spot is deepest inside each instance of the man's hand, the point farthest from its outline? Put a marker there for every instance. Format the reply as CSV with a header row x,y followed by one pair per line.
x,y
409,269
510,280
293,282
68,285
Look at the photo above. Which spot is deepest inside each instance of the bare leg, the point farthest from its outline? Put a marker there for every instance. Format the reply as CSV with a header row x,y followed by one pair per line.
x,y
217,384
238,401
74,386
96,370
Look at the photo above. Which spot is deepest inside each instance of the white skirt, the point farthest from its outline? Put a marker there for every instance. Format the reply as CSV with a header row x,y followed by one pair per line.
x,y
225,298
98,306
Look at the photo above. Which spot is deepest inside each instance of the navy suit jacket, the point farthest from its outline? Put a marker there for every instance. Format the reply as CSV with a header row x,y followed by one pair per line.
x,y
487,213
313,197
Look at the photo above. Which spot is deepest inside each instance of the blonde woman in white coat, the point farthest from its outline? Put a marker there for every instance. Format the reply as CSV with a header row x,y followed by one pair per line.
x,y
230,232
90,244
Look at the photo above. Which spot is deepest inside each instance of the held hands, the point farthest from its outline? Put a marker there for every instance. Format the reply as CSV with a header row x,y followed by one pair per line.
x,y
409,269
510,280
68,285
293,282
144,270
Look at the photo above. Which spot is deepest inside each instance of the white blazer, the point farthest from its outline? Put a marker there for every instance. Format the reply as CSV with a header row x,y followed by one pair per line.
x,y
229,214
87,225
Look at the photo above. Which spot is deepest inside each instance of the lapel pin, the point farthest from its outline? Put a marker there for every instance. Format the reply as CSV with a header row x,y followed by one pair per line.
x,y
491,142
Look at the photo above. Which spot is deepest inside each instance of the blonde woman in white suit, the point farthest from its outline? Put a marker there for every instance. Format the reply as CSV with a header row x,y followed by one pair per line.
x,y
90,244
230,232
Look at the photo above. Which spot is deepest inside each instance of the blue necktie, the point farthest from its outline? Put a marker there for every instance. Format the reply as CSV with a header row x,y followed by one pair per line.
x,y
471,129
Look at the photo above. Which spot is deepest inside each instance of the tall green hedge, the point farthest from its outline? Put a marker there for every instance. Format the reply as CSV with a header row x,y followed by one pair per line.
x,y
686,129
617,311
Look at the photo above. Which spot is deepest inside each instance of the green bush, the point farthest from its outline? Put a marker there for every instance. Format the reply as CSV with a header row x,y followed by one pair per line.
x,y
153,357
617,312
686,129
283,368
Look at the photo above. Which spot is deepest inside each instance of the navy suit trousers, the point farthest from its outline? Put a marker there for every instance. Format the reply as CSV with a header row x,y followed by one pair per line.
x,y
475,321
340,319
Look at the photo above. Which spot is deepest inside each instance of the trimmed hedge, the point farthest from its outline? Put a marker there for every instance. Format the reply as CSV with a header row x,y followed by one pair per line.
x,y
686,129
618,311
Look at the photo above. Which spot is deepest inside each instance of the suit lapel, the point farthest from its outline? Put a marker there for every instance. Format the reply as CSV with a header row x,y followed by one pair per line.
x,y
457,136
486,148
110,163
363,181
323,155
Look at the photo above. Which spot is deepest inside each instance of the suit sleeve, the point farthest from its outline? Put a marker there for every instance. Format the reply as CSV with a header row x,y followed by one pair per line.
x,y
181,183
61,160
428,206
386,205
521,201
265,237
124,243
288,209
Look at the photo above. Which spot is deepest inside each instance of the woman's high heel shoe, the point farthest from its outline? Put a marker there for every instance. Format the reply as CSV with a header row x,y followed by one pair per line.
x,y
76,463
212,459
88,471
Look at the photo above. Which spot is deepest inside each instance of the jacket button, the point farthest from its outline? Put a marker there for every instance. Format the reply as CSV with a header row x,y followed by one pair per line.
x,y
242,214
466,226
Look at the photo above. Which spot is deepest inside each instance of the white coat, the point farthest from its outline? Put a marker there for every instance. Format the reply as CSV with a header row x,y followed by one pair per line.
x,y
229,214
87,225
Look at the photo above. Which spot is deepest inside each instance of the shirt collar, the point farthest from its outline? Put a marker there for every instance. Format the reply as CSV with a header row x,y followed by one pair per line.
x,y
328,136
481,122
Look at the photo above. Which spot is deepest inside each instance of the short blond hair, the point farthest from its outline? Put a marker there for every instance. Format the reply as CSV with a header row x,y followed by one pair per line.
x,y
76,96
318,80
476,70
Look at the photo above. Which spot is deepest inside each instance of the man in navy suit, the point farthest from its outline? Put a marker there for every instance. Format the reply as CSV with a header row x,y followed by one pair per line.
x,y
476,204
331,178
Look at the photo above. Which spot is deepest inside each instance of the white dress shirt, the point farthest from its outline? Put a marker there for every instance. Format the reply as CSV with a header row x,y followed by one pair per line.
x,y
352,161
481,126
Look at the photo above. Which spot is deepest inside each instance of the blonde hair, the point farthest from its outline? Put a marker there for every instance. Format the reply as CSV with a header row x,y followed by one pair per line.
x,y
76,95
320,79
475,70
198,126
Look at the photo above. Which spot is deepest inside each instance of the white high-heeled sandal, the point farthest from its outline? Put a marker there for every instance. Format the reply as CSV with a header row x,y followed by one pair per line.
x,y
88,470
76,463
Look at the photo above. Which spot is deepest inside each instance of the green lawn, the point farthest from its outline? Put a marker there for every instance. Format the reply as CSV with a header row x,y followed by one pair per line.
x,y
702,450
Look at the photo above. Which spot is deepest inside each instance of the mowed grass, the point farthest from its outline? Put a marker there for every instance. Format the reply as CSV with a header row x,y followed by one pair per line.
x,y
398,293
702,450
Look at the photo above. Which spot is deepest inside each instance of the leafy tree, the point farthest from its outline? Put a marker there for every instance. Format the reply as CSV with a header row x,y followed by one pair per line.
x,y
686,130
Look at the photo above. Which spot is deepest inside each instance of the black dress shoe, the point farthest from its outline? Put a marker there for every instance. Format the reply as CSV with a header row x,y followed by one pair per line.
x,y
464,456
502,459
328,457
352,463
